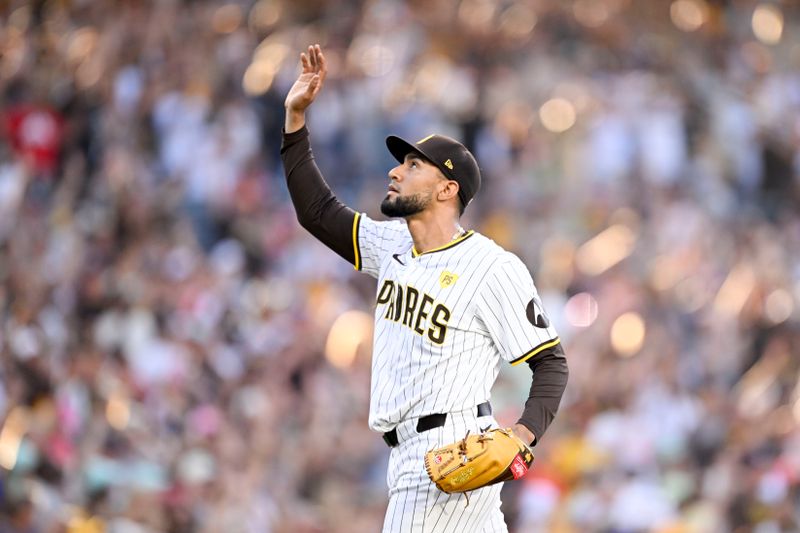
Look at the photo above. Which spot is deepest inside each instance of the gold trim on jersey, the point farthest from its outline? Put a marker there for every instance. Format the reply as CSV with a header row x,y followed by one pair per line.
x,y
356,254
545,345
467,235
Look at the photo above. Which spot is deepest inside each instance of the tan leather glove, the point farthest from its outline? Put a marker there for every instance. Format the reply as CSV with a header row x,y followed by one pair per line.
x,y
478,460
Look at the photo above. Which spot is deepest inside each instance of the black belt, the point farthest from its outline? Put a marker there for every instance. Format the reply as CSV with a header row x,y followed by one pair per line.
x,y
429,422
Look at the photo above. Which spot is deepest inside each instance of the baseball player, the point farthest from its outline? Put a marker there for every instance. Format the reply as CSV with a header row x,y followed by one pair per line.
x,y
450,305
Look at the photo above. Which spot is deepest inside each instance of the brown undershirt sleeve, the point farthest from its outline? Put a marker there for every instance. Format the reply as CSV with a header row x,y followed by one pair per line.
x,y
318,210
550,374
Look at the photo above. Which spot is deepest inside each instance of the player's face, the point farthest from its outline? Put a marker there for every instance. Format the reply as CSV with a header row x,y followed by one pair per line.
x,y
412,189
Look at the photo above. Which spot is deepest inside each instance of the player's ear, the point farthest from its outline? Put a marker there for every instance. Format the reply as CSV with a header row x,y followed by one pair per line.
x,y
448,190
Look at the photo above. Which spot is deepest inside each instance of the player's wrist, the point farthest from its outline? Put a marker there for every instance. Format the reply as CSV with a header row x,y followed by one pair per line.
x,y
295,120
525,434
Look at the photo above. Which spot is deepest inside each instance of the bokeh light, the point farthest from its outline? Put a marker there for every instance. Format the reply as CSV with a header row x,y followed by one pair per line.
x,y
757,392
688,15
350,331
81,44
557,115
581,310
118,411
264,14
605,250
13,55
591,13
477,14
11,435
665,272
267,61
227,18
258,78
82,524
518,21
627,334
778,306
273,52
735,290
767,23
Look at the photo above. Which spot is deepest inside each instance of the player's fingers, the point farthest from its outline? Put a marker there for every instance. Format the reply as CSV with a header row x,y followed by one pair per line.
x,y
323,65
317,65
312,57
304,62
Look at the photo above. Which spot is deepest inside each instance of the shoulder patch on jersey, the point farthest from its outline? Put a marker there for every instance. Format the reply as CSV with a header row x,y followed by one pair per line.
x,y
447,279
535,314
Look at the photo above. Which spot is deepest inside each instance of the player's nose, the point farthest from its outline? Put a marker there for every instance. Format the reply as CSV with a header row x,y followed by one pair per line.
x,y
395,174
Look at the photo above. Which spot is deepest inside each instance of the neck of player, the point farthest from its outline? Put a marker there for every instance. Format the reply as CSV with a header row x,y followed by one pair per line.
x,y
429,233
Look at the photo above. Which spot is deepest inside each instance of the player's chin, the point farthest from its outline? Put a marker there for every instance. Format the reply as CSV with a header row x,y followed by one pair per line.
x,y
389,205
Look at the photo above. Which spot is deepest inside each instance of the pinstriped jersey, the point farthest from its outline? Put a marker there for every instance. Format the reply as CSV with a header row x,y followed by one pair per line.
x,y
444,319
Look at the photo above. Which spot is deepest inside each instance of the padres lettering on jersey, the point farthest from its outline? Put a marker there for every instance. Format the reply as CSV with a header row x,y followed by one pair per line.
x,y
454,311
419,311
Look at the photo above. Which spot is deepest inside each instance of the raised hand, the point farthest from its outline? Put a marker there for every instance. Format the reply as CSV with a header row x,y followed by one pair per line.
x,y
306,88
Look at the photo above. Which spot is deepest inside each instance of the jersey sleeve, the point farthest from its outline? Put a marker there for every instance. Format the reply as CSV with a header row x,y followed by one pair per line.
x,y
373,240
511,310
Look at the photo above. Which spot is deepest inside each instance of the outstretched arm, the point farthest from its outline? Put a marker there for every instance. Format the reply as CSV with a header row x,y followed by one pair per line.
x,y
318,210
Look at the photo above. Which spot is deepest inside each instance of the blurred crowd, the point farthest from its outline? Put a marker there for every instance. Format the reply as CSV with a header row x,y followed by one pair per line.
x,y
166,361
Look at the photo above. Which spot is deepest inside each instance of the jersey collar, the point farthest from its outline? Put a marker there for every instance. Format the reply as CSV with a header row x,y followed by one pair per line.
x,y
467,235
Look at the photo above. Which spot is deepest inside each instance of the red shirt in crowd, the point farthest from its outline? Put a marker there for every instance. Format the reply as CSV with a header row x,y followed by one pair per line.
x,y
35,132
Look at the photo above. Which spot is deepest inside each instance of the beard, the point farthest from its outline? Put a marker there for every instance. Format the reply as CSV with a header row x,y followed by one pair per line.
x,y
405,206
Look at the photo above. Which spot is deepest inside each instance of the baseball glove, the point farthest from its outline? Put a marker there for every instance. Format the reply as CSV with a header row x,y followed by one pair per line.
x,y
478,460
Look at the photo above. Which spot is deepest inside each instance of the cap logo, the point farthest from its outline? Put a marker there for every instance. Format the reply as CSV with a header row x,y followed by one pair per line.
x,y
426,138
449,164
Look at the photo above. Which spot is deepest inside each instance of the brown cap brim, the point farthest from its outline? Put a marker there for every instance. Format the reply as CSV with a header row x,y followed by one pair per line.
x,y
400,148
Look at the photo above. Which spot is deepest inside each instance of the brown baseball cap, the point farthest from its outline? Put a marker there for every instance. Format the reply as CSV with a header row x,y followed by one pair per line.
x,y
450,156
